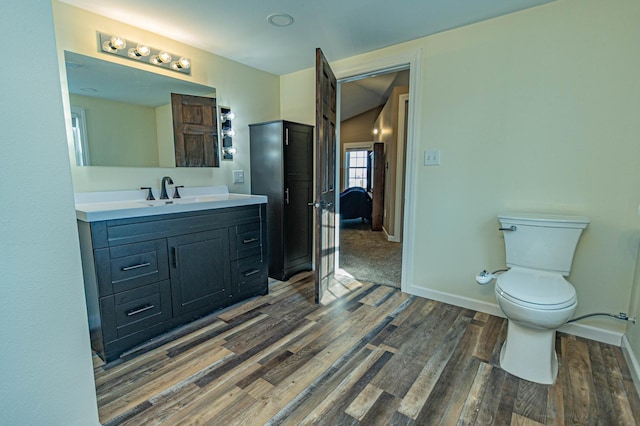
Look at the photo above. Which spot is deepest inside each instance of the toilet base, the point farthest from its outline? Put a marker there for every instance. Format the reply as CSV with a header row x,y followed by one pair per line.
x,y
530,354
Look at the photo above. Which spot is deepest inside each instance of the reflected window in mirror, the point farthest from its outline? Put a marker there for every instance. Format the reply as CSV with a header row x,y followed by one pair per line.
x,y
80,141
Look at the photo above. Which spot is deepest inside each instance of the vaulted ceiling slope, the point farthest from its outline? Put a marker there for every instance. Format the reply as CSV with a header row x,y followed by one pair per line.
x,y
362,95
239,29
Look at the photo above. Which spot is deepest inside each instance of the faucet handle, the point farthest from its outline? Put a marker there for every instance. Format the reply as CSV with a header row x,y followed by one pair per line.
x,y
149,193
176,194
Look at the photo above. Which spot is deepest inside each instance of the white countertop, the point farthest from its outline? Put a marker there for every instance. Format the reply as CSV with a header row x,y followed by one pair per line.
x,y
108,205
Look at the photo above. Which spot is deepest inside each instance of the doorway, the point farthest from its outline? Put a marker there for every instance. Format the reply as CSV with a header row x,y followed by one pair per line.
x,y
373,112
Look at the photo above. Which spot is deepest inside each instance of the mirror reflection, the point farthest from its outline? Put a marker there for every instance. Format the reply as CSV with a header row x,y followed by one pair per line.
x,y
121,116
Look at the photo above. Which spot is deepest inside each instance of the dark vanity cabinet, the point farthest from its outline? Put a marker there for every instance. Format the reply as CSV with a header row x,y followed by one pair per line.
x,y
282,169
146,275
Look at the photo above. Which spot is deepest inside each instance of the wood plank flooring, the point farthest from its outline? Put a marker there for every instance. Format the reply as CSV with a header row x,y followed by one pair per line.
x,y
374,356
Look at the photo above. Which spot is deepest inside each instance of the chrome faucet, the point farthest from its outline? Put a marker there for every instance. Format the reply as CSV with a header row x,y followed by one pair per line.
x,y
163,193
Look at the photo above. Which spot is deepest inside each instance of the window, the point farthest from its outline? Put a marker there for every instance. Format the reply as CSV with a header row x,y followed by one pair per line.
x,y
79,126
357,168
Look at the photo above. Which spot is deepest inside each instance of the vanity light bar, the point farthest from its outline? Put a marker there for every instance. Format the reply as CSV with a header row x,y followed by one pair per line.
x,y
227,132
114,45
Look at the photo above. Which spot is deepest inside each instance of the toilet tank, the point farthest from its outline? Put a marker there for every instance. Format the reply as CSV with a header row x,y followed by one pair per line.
x,y
541,241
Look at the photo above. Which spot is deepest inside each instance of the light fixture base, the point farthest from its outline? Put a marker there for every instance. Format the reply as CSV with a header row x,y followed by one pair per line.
x,y
149,55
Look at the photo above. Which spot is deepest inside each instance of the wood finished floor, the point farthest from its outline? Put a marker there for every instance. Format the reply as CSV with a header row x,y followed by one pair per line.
x,y
373,356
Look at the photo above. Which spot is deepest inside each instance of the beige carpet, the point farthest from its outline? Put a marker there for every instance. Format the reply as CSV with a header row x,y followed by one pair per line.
x,y
367,255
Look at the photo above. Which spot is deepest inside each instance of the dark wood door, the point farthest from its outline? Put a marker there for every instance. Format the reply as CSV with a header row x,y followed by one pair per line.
x,y
377,210
199,271
195,127
326,85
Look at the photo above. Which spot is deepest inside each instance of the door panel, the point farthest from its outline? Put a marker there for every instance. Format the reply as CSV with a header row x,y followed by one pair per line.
x,y
377,210
326,85
197,271
298,216
195,126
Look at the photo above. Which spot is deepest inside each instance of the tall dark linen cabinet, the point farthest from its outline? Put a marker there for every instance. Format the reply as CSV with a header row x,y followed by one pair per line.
x,y
282,169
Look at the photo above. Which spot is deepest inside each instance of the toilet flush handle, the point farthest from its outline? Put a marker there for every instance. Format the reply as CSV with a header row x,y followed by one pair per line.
x,y
511,228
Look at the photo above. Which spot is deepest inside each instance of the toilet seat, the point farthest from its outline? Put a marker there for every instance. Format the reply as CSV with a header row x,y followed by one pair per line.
x,y
536,289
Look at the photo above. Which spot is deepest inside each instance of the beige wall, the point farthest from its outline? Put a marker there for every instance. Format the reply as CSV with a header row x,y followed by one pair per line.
x,y
360,127
532,111
132,141
253,95
45,361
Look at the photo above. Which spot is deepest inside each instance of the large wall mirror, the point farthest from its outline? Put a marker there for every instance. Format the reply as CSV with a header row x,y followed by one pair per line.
x,y
122,116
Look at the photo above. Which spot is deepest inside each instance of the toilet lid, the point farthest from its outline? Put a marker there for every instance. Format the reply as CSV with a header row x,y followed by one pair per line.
x,y
543,290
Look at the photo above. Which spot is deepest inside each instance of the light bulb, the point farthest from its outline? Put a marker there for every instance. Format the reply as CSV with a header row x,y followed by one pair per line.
x,y
118,42
230,150
140,51
114,44
227,116
185,63
228,132
161,58
182,63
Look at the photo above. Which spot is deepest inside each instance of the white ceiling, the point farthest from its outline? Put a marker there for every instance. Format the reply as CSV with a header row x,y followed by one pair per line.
x,y
238,29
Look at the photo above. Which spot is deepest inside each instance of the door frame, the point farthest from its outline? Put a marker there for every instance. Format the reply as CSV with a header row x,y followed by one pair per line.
x,y
400,166
410,59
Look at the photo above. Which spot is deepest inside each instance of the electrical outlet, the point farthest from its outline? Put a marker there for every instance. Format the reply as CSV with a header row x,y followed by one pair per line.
x,y
432,158
238,176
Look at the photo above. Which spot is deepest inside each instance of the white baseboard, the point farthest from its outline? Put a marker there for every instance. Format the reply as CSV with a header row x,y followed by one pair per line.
x,y
454,299
593,333
632,362
580,330
389,237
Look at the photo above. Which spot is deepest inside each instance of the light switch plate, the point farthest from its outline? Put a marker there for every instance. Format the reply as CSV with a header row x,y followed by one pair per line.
x,y
432,158
238,176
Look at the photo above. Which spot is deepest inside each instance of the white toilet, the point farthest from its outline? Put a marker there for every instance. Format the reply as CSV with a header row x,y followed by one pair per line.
x,y
533,294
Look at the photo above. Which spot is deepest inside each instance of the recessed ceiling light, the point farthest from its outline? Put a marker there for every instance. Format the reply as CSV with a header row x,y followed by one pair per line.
x,y
280,19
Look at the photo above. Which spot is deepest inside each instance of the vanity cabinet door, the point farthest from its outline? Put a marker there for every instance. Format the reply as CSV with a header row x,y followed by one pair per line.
x,y
199,268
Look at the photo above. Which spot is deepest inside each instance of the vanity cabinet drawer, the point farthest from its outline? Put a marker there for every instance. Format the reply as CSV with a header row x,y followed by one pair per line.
x,y
249,274
132,265
136,310
246,240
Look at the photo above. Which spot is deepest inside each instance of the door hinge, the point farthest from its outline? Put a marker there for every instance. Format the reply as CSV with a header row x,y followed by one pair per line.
x,y
286,136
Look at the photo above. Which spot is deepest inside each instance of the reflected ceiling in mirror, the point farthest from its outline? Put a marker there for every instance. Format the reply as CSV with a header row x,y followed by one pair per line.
x,y
122,115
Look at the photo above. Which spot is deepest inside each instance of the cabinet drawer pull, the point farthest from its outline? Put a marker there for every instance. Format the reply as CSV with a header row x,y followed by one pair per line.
x,y
175,257
141,265
251,272
140,310
249,240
